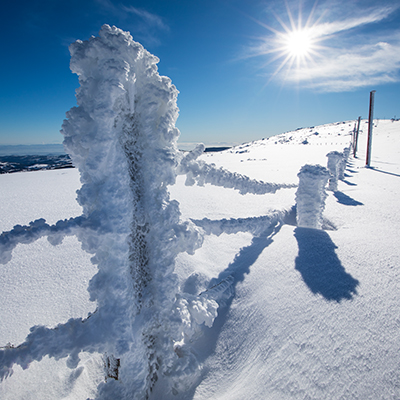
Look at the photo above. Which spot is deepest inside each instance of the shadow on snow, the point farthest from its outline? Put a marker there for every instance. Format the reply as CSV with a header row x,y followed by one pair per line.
x,y
384,172
320,267
346,200
348,183
238,268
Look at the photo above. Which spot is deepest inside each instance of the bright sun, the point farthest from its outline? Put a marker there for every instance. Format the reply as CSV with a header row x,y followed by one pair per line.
x,y
298,43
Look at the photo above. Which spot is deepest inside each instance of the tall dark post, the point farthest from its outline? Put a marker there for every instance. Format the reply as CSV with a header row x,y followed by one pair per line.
x,y
370,125
356,138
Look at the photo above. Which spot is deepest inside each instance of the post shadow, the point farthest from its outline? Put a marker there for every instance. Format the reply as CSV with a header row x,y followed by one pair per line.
x,y
348,183
247,256
238,268
321,268
384,172
346,200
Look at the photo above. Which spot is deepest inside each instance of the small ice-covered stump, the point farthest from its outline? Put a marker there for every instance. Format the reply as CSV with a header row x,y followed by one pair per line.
x,y
311,195
335,160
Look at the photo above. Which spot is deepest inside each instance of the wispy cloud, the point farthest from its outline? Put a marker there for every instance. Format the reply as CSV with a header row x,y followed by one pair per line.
x,y
351,69
367,17
350,51
152,20
142,24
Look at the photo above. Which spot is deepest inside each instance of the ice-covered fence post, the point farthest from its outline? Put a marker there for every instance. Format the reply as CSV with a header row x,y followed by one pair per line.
x,y
122,137
343,162
353,136
311,195
334,161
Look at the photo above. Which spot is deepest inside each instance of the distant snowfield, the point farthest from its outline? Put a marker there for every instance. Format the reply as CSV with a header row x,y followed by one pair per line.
x,y
315,314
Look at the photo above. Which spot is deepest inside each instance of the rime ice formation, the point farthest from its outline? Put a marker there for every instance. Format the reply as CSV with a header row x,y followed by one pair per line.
x,y
122,137
255,225
311,195
201,173
334,165
346,153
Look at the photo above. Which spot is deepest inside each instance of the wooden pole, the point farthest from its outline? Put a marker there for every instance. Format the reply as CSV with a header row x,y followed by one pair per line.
x,y
356,138
370,126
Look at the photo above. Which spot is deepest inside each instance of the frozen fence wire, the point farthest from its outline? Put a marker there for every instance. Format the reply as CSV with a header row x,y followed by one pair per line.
x,y
37,229
254,225
199,172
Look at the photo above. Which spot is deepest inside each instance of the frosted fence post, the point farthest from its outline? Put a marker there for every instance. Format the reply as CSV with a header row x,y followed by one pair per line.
x,y
311,195
343,162
334,160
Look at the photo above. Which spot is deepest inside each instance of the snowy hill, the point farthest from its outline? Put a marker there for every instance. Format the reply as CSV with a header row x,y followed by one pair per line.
x,y
313,314
9,164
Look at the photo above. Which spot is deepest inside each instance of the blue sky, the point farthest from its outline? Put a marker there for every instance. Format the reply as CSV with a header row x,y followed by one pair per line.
x,y
238,76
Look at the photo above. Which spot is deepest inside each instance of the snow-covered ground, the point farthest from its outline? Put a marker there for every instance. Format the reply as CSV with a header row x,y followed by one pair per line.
x,y
314,314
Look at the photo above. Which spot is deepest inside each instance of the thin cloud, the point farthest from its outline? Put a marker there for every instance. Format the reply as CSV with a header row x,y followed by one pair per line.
x,y
152,20
355,68
372,16
343,59
142,24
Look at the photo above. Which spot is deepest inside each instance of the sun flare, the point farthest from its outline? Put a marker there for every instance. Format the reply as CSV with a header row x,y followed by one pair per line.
x,y
298,43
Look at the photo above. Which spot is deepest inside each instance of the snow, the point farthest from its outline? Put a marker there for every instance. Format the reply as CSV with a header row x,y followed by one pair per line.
x,y
314,312
222,295
44,284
